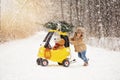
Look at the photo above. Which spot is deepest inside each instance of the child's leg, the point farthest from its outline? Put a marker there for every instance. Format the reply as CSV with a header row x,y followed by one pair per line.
x,y
79,55
83,56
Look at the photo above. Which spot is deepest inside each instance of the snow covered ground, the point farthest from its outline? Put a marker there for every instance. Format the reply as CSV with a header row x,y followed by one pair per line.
x,y
18,62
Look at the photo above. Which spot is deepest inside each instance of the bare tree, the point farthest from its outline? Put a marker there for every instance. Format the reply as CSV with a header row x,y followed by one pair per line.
x,y
62,12
77,16
70,7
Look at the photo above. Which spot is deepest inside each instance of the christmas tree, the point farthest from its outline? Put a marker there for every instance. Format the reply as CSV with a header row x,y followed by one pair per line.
x,y
61,25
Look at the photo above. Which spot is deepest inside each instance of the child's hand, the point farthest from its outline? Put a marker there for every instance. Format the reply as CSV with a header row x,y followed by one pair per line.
x,y
72,39
72,42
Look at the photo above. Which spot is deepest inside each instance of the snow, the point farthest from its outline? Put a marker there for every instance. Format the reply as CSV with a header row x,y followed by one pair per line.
x,y
18,62
111,43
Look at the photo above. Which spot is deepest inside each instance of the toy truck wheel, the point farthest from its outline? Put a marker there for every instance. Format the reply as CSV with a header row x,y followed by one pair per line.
x,y
66,63
44,62
39,61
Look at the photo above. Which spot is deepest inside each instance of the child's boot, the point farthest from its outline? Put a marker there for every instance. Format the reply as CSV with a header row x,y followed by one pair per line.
x,y
85,64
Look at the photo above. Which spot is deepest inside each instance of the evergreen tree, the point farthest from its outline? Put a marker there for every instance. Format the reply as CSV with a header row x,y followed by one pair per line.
x,y
64,26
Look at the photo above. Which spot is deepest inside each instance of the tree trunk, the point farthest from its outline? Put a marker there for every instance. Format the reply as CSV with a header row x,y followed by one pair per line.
x,y
70,11
62,12
77,16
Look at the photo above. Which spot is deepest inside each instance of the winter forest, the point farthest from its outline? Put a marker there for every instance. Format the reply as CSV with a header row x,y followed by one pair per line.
x,y
30,51
100,18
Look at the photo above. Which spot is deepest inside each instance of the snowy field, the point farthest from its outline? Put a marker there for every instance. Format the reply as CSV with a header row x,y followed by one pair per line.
x,y
18,62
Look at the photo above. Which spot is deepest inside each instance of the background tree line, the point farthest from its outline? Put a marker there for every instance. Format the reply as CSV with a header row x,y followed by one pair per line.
x,y
101,18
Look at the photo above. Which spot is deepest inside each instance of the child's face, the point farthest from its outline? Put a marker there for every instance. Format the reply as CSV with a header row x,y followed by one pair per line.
x,y
78,34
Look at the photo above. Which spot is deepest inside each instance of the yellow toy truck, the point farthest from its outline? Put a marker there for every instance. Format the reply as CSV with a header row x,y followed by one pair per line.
x,y
59,55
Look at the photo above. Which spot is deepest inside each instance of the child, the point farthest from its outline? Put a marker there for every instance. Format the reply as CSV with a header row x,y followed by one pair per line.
x,y
79,45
